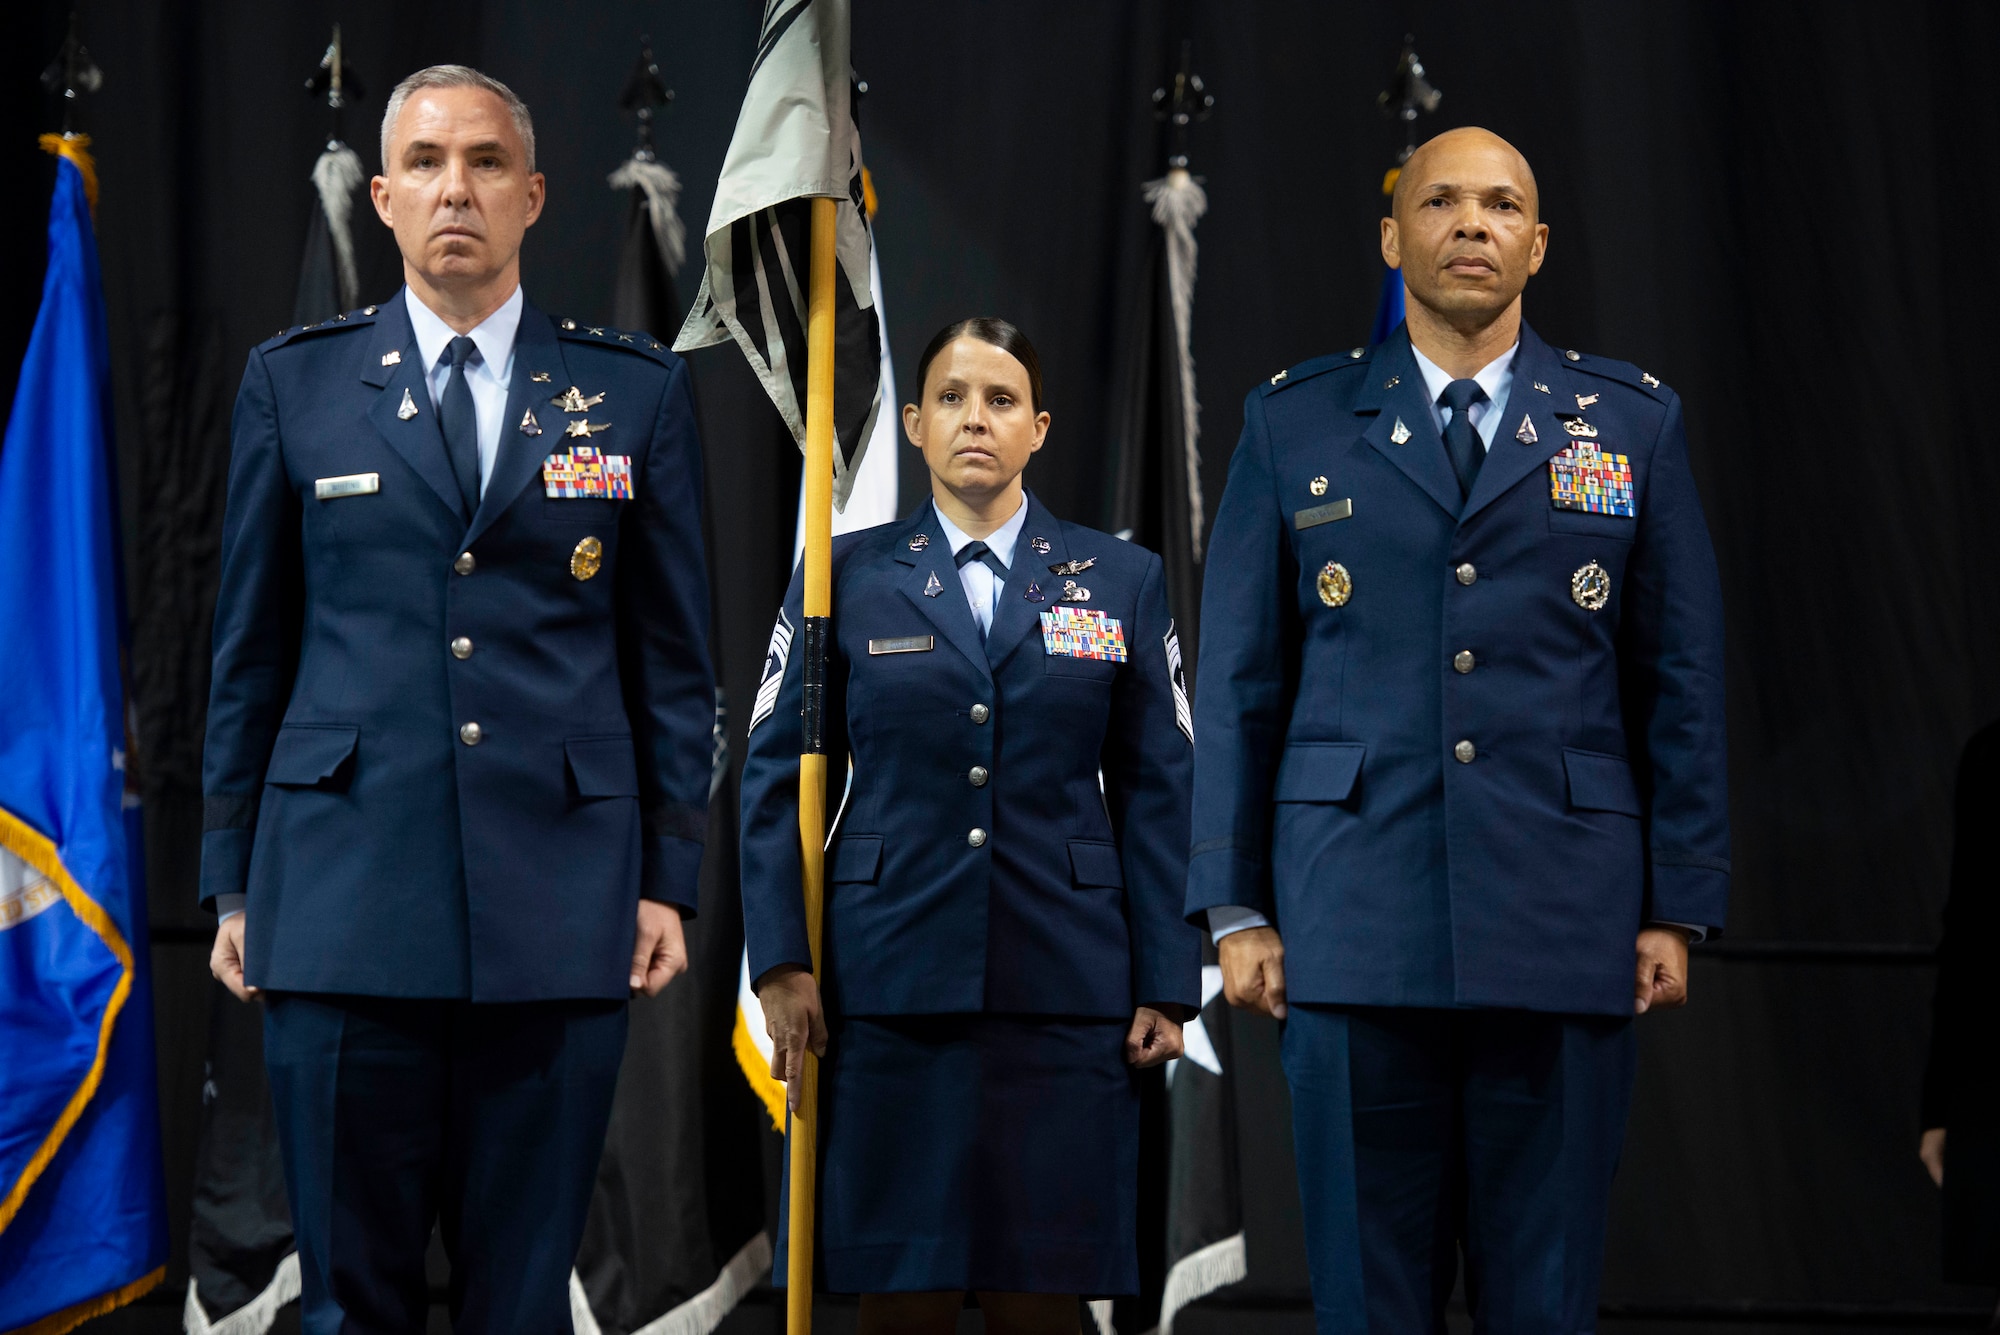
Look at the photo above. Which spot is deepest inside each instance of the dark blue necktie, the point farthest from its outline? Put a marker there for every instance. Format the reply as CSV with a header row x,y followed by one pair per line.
x,y
460,424
1461,442
986,556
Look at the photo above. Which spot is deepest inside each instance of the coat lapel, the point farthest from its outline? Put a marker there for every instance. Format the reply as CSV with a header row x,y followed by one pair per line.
x,y
519,460
1510,459
1017,619
418,440
1395,392
947,609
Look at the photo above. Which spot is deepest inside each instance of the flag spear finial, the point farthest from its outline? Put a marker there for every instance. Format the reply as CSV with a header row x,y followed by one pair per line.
x,y
1184,102
1409,95
71,74
645,90
334,79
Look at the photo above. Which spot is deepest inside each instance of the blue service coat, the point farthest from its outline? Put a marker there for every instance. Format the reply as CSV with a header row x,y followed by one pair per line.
x,y
976,864
1332,793
383,853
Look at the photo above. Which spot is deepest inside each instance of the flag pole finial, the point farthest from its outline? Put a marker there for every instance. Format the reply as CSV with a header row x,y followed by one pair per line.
x,y
645,90
1183,102
335,80
72,73
1409,95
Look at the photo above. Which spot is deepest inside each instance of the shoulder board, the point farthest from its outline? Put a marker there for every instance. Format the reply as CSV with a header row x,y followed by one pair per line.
x,y
575,331
1623,372
333,324
1306,370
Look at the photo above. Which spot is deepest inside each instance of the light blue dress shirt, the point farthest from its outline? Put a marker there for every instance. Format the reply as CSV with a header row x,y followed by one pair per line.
x,y
982,585
487,375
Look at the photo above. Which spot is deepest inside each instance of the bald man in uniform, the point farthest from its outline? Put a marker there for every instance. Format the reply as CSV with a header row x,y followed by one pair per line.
x,y
1459,766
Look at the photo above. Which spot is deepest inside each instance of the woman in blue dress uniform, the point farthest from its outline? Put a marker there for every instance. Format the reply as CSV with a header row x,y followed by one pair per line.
x,y
1004,943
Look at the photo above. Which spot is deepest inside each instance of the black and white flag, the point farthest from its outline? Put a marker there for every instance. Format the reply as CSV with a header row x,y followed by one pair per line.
x,y
795,140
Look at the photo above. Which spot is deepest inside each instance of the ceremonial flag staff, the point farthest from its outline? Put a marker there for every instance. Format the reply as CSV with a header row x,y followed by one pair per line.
x,y
1408,96
329,281
792,180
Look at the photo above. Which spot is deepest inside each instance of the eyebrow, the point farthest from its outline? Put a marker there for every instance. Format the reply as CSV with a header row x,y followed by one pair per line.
x,y
430,146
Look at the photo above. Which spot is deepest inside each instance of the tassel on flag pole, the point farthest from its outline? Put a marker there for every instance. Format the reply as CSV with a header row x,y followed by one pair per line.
x,y
1408,96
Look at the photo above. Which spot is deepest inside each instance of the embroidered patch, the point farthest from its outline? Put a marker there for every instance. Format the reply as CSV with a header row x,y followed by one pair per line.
x,y
1183,716
1083,632
587,473
1583,477
773,679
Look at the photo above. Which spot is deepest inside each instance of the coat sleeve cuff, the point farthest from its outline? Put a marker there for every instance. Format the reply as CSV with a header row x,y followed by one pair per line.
x,y
670,872
225,863
1222,873
1689,889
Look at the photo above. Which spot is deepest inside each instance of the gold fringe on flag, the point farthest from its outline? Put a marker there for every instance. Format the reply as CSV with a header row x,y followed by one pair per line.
x,y
76,147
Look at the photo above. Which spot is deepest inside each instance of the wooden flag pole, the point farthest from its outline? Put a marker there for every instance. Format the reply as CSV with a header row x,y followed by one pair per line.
x,y
812,763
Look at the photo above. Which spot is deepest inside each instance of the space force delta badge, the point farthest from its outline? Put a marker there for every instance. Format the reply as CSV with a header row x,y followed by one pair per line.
x,y
1585,478
585,473
1083,632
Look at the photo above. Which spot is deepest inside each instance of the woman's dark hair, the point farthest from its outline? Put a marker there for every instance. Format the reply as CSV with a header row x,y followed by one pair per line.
x,y
987,329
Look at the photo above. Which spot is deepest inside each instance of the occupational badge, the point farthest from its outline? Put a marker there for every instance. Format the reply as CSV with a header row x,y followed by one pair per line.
x,y
1336,586
919,541
1399,434
571,400
932,588
1585,478
539,377
1591,587
1073,593
1317,486
583,430
1576,426
1072,567
1585,400
529,426
408,407
1073,632
585,474
587,559
1040,546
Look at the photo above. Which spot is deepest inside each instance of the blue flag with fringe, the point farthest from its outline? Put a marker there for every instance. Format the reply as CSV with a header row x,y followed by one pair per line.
x,y
82,1203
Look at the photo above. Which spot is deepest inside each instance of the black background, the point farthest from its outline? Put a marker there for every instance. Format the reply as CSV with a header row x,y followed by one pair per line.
x,y
1782,210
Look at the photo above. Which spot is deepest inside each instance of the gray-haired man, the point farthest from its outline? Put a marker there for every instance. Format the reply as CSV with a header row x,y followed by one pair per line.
x,y
458,741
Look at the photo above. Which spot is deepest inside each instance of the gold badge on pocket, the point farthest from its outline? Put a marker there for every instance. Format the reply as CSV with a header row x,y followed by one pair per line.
x,y
587,559
1336,586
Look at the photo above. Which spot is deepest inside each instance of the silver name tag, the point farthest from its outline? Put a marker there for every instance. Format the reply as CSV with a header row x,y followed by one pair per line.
x,y
1323,514
901,644
354,484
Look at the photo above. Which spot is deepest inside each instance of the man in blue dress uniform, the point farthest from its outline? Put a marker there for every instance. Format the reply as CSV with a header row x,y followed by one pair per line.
x,y
458,739
1459,747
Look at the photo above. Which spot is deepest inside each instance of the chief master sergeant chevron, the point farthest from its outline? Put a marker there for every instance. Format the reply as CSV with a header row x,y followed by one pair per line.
x,y
458,738
1459,766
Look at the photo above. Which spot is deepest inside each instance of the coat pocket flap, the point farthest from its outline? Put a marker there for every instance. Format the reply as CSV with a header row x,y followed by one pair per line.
x,y
857,857
1096,863
306,753
1598,782
603,766
1319,772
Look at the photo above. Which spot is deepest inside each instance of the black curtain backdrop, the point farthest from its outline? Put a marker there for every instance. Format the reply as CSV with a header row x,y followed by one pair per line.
x,y
1779,209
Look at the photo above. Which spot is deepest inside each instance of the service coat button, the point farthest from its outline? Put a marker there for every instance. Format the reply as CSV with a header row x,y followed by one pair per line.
x,y
977,838
461,647
470,734
980,713
978,775
1466,573
1464,752
1463,660
464,564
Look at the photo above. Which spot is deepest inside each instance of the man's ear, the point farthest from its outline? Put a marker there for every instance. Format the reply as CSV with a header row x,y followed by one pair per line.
x,y
537,193
378,195
1392,244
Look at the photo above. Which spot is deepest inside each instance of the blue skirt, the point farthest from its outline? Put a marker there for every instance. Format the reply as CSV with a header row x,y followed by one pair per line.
x,y
993,1152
